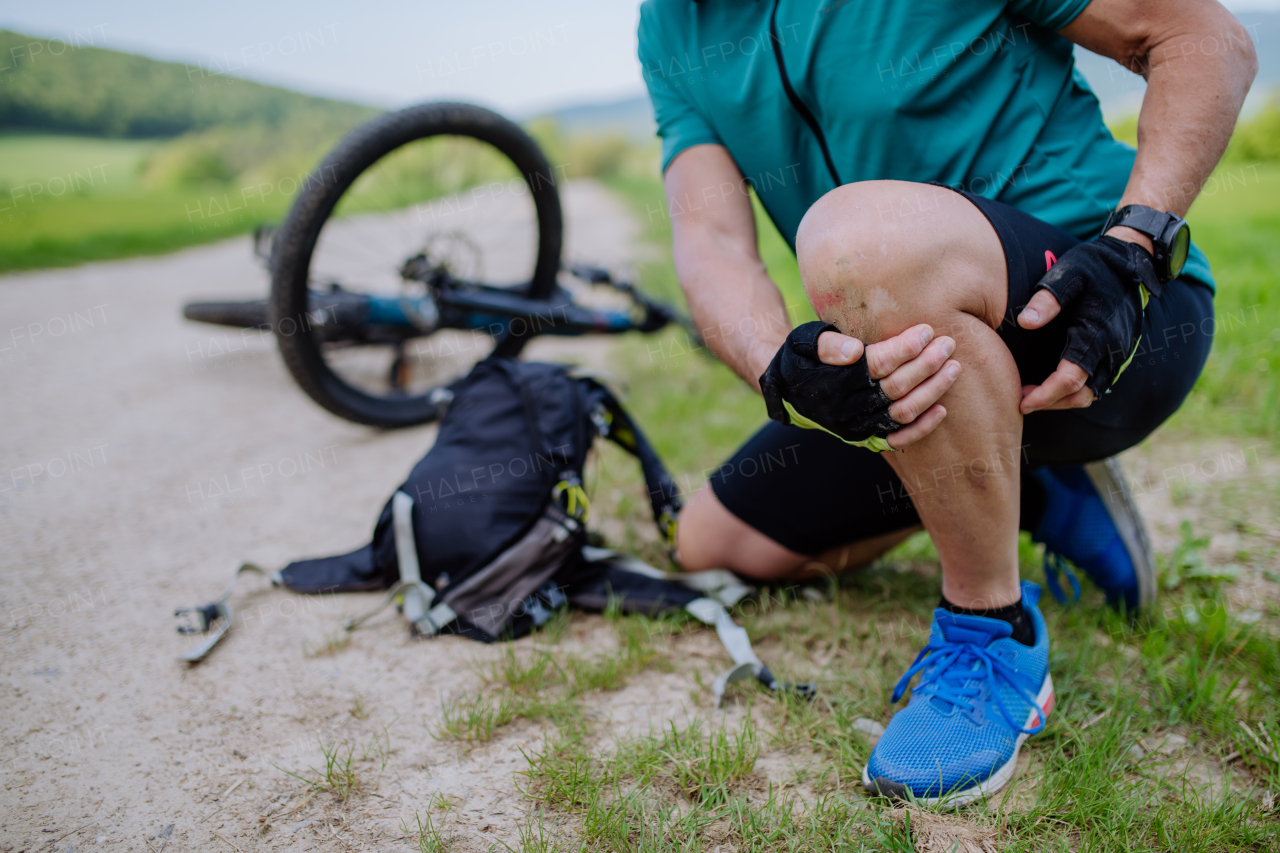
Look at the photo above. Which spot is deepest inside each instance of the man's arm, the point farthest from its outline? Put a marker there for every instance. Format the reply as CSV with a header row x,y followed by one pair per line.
x,y
740,311
1198,62
736,306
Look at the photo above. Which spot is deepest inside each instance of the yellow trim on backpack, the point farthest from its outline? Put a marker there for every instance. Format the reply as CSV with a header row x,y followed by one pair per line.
x,y
670,524
576,502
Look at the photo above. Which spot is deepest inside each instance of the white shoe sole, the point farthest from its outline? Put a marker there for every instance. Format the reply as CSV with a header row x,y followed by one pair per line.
x,y
1112,485
1004,772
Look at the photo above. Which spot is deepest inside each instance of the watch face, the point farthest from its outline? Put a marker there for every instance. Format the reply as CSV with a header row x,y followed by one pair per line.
x,y
1178,250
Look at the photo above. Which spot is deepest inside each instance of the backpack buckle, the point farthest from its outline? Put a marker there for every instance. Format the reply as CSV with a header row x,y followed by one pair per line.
x,y
572,495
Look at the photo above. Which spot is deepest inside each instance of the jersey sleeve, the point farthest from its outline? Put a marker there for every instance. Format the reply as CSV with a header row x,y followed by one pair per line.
x,y
1051,14
680,125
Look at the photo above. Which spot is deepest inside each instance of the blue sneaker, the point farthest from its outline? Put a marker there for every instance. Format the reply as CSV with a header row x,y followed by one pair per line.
x,y
1090,520
981,694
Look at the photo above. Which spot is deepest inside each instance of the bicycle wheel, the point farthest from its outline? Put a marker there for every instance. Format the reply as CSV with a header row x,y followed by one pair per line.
x,y
455,182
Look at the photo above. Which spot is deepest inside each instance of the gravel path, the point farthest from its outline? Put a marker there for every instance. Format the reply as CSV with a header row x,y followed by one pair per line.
x,y
143,457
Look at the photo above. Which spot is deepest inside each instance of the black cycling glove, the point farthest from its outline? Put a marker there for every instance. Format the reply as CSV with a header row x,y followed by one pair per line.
x,y
841,399
1103,288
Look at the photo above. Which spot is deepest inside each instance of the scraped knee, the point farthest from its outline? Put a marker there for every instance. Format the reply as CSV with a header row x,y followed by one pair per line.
x,y
877,257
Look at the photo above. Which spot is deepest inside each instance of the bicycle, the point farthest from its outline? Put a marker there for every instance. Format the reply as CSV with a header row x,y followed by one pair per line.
x,y
379,344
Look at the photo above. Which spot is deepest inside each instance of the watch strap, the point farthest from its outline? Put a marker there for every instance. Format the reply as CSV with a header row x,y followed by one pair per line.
x,y
1143,219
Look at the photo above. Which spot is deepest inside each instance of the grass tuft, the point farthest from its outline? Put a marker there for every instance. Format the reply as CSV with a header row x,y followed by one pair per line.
x,y
343,774
340,776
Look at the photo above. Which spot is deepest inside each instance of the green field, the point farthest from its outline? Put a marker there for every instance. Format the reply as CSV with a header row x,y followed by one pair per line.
x,y
40,157
67,200
1237,223
126,155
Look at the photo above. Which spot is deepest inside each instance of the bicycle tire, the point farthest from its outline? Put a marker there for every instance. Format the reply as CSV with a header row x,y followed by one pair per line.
x,y
296,239
248,314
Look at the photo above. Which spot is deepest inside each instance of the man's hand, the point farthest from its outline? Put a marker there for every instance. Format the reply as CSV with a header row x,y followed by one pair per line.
x,y
1104,285
1198,62
889,389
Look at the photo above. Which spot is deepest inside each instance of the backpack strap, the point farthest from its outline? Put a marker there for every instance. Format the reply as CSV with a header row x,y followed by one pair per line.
x,y
733,637
717,589
613,422
199,619
416,597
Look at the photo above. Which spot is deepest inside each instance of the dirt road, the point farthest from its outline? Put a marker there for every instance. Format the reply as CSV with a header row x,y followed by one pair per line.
x,y
143,457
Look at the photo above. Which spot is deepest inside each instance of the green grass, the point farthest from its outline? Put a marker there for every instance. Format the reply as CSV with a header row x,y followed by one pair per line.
x,y
548,683
691,788
344,774
1236,222
663,792
67,232
42,157
69,200
475,718
119,219
66,200
429,837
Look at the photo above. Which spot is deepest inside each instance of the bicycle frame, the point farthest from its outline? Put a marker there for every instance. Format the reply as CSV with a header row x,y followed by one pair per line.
x,y
499,310
458,304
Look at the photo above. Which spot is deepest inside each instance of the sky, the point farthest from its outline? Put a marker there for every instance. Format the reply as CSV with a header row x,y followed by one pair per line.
x,y
517,57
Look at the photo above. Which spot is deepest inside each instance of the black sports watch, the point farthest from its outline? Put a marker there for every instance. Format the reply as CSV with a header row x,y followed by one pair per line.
x,y
1170,234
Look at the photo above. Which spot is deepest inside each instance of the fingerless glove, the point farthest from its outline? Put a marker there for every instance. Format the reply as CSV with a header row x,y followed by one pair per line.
x,y
1103,287
840,399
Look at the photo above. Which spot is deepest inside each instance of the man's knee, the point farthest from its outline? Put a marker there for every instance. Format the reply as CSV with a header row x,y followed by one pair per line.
x,y
877,257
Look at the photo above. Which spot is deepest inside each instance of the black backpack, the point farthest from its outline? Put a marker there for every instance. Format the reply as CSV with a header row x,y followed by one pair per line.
x,y
495,511
487,536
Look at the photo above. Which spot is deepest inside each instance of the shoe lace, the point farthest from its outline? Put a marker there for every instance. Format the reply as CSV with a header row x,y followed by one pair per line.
x,y
1053,564
960,673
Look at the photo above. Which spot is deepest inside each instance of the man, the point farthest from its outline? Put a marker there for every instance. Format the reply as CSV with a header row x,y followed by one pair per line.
x,y
944,176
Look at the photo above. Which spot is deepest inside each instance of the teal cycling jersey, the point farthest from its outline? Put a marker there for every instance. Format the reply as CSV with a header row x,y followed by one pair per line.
x,y
981,95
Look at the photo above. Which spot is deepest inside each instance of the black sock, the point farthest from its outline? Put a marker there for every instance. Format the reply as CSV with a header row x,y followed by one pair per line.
x,y
1023,631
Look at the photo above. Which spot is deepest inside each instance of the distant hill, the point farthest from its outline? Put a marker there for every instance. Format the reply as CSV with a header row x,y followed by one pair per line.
x,y
631,118
98,92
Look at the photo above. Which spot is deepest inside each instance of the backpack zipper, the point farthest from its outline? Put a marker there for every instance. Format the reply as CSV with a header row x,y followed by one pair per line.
x,y
795,99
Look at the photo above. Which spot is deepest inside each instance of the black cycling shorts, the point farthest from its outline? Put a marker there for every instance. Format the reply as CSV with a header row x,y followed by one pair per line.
x,y
809,491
